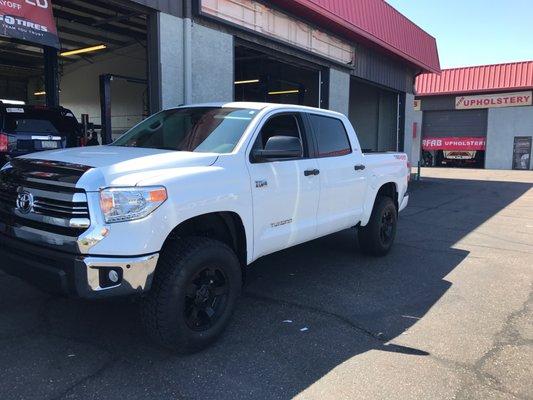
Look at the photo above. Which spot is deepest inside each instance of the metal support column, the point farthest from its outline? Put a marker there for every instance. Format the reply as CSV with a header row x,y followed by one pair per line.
x,y
154,63
51,76
105,108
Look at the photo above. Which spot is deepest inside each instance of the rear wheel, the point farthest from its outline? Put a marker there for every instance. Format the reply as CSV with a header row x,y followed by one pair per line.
x,y
377,237
195,288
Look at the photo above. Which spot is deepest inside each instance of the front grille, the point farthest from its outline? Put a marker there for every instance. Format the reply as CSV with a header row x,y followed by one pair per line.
x,y
57,205
60,209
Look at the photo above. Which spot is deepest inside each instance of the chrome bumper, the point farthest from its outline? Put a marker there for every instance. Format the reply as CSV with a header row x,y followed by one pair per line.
x,y
73,274
134,274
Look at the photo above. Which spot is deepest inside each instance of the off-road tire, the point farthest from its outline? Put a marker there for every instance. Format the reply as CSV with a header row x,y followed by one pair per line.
x,y
370,237
163,309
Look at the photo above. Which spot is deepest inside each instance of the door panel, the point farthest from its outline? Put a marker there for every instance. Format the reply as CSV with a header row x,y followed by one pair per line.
x,y
342,186
285,196
285,204
342,193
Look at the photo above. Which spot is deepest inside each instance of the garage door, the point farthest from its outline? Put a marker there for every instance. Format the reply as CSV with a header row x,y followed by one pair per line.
x,y
373,112
454,130
456,123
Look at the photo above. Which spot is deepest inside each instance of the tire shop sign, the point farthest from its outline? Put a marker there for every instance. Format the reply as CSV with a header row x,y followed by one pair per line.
x,y
29,20
454,143
494,100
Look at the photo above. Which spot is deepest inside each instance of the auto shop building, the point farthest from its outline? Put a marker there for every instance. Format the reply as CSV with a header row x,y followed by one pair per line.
x,y
477,116
118,61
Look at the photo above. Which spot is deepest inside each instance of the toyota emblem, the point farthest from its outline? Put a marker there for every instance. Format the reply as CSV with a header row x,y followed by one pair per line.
x,y
25,202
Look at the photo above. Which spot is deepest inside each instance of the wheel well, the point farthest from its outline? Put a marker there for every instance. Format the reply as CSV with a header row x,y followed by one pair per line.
x,y
389,190
226,227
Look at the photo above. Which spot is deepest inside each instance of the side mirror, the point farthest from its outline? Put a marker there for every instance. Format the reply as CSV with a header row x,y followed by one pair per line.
x,y
280,148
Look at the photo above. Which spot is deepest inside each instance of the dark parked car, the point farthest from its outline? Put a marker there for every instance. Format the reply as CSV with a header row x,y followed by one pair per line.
x,y
27,129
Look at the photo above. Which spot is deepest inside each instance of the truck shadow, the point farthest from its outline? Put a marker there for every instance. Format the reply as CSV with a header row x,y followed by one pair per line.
x,y
304,312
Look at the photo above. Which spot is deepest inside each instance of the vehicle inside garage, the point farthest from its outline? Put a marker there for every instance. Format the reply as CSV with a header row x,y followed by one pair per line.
x,y
101,65
265,76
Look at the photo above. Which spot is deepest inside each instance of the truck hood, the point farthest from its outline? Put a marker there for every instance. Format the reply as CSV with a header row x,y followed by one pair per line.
x,y
123,166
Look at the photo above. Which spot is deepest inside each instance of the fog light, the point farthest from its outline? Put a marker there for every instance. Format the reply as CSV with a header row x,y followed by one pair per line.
x,y
110,276
113,276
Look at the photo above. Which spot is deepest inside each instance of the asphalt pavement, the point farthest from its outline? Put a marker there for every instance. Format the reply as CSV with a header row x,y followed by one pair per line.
x,y
447,315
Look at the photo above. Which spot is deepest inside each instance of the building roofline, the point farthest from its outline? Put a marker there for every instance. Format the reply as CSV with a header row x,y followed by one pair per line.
x,y
491,78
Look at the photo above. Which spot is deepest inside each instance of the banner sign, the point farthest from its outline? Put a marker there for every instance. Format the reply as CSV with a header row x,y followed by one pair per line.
x,y
494,100
29,20
454,143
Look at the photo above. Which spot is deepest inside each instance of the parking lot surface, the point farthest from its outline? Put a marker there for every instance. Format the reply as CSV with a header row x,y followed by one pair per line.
x,y
447,315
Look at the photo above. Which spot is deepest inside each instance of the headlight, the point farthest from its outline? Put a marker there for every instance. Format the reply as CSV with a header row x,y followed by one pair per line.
x,y
128,204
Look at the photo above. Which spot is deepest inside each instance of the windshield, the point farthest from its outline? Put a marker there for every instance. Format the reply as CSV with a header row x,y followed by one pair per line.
x,y
44,122
198,129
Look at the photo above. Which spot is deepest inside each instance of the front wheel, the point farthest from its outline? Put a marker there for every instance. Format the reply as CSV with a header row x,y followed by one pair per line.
x,y
195,289
377,237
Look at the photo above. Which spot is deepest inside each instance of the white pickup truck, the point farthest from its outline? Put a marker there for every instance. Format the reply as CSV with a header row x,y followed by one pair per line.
x,y
181,204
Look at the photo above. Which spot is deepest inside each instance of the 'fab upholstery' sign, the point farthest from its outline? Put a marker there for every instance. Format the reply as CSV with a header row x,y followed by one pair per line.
x,y
29,20
454,143
494,100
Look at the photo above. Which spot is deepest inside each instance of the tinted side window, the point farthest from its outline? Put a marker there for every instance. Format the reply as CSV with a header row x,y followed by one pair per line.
x,y
279,125
331,136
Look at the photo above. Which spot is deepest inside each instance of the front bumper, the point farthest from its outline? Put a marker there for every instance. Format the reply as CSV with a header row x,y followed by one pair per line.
x,y
76,275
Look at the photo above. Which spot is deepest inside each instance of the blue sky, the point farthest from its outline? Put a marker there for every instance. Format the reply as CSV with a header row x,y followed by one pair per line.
x,y
474,32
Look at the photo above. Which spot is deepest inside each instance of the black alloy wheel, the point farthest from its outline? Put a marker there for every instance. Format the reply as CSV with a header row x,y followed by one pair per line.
x,y
386,229
206,298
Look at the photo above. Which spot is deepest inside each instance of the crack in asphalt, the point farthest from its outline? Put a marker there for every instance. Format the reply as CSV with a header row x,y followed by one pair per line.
x,y
483,378
99,371
507,336
319,311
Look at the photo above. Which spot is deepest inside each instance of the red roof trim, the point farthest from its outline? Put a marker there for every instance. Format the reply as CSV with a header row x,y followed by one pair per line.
x,y
479,79
375,22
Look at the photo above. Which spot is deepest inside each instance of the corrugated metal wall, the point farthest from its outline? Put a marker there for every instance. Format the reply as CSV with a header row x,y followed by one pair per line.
x,y
379,68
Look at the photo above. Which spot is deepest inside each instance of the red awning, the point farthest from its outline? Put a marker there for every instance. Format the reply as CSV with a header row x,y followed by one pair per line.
x,y
454,143
373,22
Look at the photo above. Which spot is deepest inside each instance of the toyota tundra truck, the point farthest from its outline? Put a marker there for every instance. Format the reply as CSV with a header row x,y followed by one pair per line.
x,y
178,207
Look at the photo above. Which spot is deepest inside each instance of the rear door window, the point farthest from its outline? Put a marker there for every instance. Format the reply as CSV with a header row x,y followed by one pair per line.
x,y
331,136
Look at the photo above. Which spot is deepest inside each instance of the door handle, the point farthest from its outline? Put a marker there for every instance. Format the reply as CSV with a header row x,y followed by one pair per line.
x,y
310,172
359,167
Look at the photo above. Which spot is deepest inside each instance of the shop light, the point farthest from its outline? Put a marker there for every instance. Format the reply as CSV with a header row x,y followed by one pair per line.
x,y
13,102
83,50
39,94
291,91
247,81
